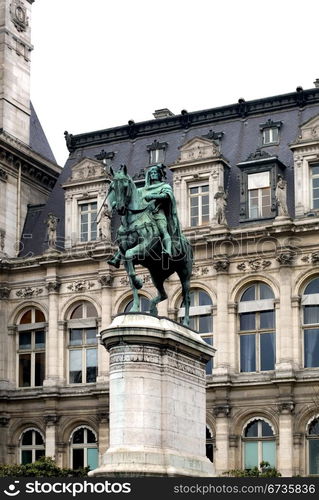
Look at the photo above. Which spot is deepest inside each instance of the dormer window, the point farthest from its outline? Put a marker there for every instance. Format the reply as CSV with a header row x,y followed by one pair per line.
x,y
259,195
88,225
156,152
270,132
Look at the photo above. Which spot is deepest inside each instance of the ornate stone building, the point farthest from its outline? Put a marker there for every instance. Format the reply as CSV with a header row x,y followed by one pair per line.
x,y
246,181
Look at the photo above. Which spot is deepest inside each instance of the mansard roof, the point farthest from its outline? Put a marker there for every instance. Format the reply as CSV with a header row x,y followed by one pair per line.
x,y
238,126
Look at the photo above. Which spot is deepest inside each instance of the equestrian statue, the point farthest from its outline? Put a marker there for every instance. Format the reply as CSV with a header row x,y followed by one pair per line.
x,y
150,234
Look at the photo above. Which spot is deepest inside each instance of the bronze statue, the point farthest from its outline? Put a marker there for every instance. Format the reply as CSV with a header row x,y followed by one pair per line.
x,y
150,234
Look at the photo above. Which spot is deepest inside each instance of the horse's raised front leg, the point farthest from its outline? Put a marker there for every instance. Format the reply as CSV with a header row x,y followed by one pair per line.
x,y
185,282
136,300
158,281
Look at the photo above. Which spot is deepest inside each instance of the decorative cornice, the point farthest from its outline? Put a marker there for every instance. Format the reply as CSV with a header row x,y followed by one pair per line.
x,y
213,136
29,292
270,124
194,119
286,407
51,419
4,292
19,16
53,286
156,145
286,258
80,286
106,280
254,265
221,266
259,154
103,155
222,410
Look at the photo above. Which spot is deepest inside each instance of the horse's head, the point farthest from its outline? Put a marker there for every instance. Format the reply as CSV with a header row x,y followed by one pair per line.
x,y
120,190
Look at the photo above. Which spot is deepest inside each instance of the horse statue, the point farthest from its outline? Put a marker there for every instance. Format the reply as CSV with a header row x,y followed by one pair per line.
x,y
150,234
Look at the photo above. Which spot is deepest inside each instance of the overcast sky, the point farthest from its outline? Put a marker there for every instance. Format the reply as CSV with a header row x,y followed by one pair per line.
x,y
99,63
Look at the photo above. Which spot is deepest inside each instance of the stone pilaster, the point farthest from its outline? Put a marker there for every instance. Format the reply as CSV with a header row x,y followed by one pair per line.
x,y
52,338
285,450
222,334
284,344
50,435
222,462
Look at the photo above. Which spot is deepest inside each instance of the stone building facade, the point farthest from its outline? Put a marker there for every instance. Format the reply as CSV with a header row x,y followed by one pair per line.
x,y
255,284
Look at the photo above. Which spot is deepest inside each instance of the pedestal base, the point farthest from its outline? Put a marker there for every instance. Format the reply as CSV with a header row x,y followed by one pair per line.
x,y
157,399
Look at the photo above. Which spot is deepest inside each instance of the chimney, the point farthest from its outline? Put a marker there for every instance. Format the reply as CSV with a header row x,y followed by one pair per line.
x,y
162,113
316,83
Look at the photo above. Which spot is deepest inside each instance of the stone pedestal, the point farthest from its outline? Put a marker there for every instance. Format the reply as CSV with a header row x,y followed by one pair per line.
x,y
157,399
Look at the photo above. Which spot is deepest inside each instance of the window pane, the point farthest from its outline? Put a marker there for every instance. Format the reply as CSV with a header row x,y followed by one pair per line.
x,y
267,351
205,323
210,452
311,315
26,457
204,299
209,365
26,318
315,170
90,436
248,294
75,367
91,312
27,438
247,353
78,436
251,455
84,208
38,438
92,458
314,427
247,321
91,365
313,287
265,292
76,336
193,190
39,369
311,345
24,370
25,340
78,458
269,452
78,312
91,336
314,456
267,320
39,454
252,429
39,316
205,188
266,429
39,340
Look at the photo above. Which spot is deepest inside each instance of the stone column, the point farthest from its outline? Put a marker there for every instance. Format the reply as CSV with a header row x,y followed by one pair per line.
x,y
50,435
4,421
297,451
104,442
284,355
221,326
222,462
106,280
53,358
285,450
157,399
4,344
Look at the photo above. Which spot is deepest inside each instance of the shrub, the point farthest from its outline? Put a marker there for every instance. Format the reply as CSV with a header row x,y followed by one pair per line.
x,y
264,470
44,467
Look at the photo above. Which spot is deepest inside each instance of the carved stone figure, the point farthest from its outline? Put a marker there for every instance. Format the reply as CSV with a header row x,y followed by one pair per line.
x,y
281,197
150,234
104,223
221,204
52,222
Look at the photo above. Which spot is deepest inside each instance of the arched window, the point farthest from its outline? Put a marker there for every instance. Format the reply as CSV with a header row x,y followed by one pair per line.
x,y
257,329
209,445
31,446
144,305
82,344
259,444
201,317
31,348
313,446
84,450
310,303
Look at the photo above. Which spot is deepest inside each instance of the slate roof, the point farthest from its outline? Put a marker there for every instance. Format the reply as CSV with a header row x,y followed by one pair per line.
x,y
238,122
38,140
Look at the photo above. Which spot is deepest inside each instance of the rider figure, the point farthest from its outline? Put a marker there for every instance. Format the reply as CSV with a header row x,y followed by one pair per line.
x,y
156,191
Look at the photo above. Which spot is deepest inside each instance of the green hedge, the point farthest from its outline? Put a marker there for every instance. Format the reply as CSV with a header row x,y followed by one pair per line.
x,y
44,467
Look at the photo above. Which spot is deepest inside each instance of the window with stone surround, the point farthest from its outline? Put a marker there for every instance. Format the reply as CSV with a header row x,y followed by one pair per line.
x,y
31,348
310,313
144,305
82,344
313,447
198,204
259,195
314,186
259,444
31,446
257,329
88,221
270,132
84,449
200,318
156,152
